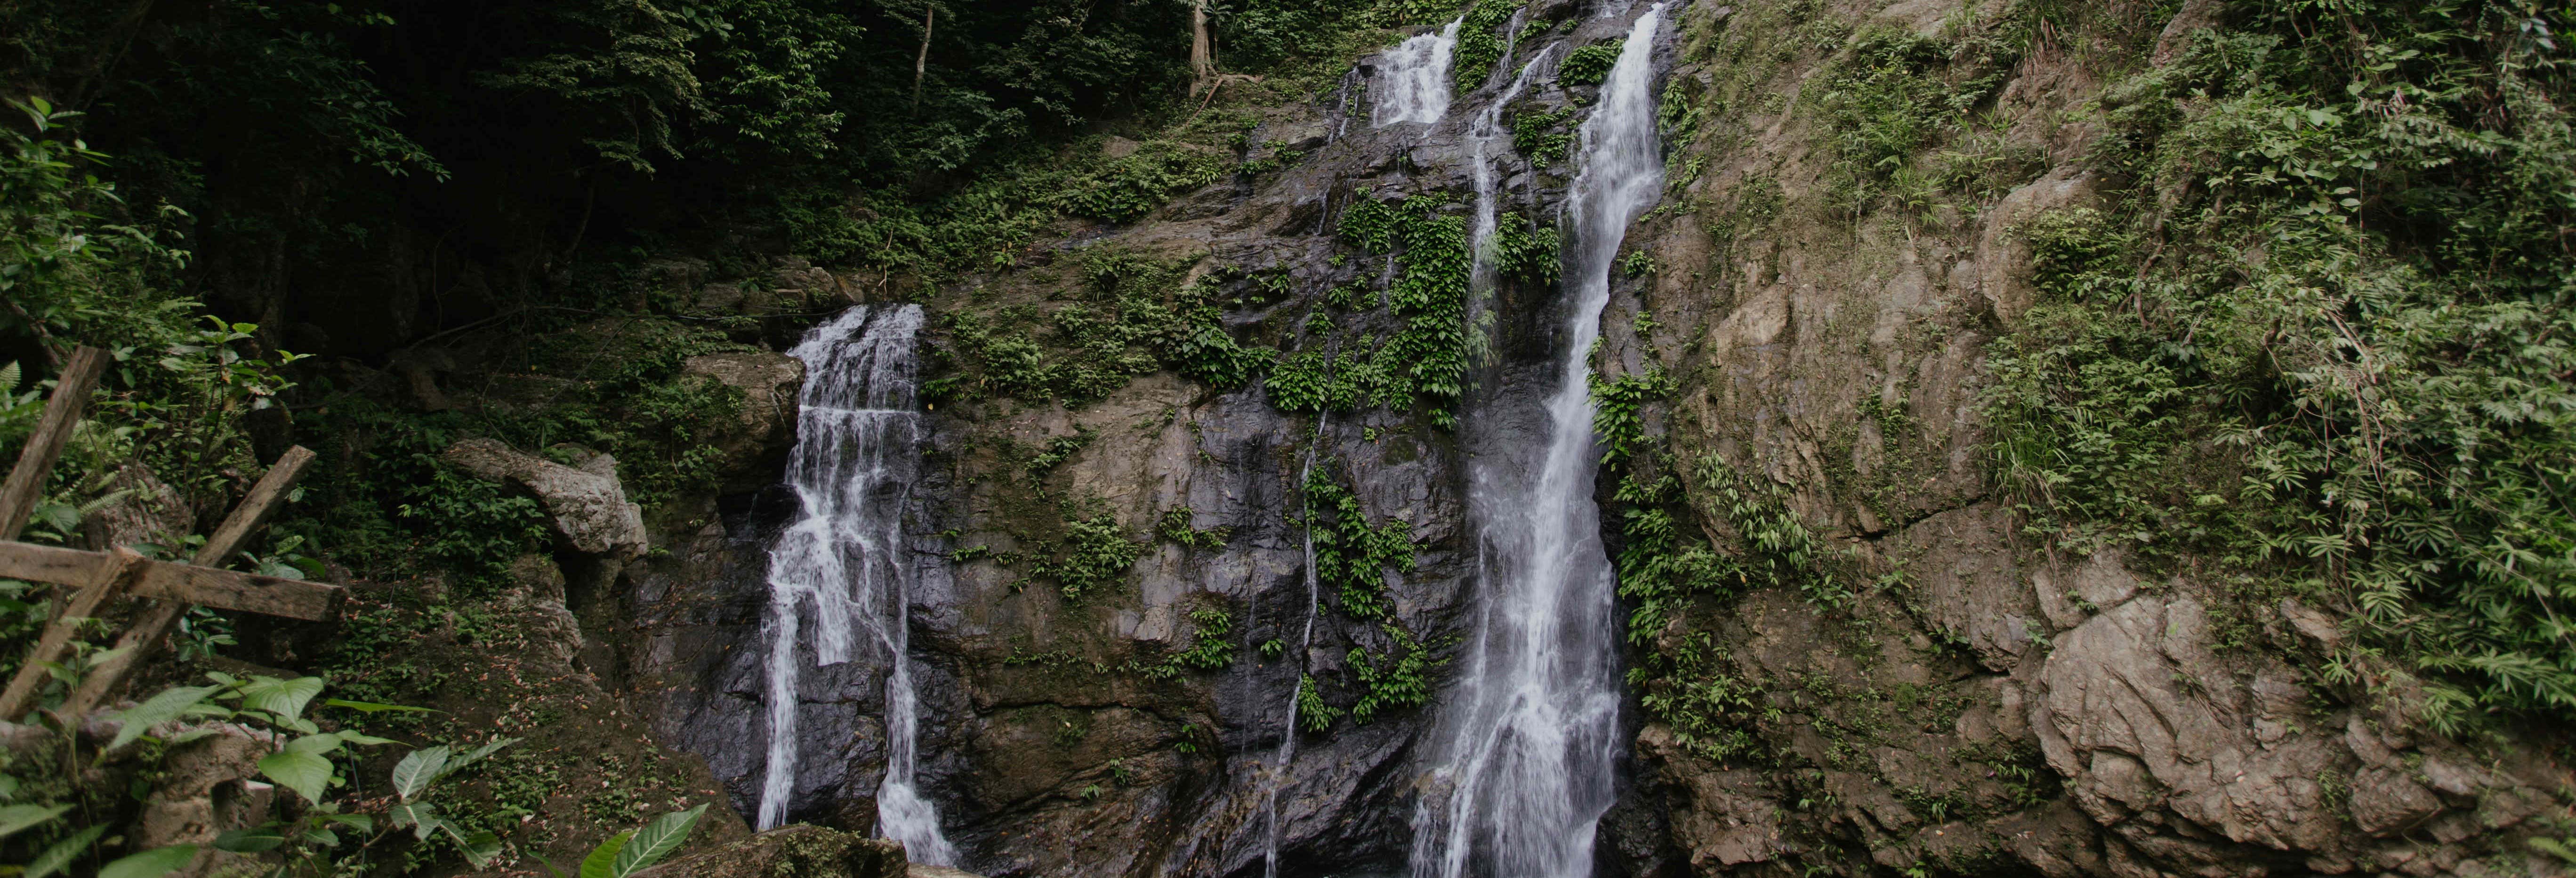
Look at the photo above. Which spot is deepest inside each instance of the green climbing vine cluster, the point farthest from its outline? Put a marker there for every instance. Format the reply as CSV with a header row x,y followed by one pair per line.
x,y
1526,251
1351,556
1132,316
1589,65
1209,649
1175,526
1429,355
1314,715
1618,421
1400,680
1480,43
1094,552
1543,138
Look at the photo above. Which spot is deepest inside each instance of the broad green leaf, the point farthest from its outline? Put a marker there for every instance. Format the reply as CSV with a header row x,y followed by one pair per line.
x,y
657,840
14,818
364,740
318,745
422,817
479,848
285,698
64,852
249,841
602,862
359,822
372,707
418,769
153,863
475,755
305,773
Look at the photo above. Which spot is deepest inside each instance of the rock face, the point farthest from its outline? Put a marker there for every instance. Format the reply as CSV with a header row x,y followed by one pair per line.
x,y
768,383
791,852
1988,708
587,504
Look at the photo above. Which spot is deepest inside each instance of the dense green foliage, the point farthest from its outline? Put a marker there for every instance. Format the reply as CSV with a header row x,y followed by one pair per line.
x,y
1094,553
1133,317
1428,357
2326,350
1588,65
1480,43
1543,138
1351,555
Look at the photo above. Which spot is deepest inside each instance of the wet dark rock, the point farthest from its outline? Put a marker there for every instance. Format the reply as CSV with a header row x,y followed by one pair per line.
x,y
792,852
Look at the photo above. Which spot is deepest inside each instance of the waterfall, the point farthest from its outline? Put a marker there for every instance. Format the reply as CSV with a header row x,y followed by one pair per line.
x,y
1413,81
1278,775
1524,774
1484,133
843,564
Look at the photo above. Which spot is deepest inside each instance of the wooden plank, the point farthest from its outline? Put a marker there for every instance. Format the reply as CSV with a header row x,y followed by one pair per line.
x,y
263,501
26,482
232,590
112,578
53,564
160,618
224,589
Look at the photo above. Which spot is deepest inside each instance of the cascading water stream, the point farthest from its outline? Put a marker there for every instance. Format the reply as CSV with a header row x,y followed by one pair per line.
x,y
1484,133
842,564
1524,774
1413,81
1278,775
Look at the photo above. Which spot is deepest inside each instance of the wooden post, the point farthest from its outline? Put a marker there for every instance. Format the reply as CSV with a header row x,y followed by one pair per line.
x,y
26,481
160,618
110,578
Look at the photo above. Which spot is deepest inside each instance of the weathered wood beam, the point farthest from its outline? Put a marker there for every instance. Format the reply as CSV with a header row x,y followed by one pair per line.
x,y
105,581
160,618
26,483
163,580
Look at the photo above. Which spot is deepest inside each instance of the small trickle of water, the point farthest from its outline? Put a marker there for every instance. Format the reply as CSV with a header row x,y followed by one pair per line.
x,y
1413,79
1525,772
842,565
1278,775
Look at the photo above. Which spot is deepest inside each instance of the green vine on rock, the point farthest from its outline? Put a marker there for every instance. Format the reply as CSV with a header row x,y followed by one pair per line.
x,y
1429,356
1480,43
1352,557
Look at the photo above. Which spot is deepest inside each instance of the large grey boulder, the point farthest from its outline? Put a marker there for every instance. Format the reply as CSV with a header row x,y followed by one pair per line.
x,y
769,383
588,504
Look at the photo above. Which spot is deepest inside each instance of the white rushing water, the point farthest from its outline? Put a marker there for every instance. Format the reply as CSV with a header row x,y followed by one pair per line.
x,y
1413,79
1524,772
842,567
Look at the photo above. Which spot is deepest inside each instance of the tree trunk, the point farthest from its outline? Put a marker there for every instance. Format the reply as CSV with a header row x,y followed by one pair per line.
x,y
921,62
1202,53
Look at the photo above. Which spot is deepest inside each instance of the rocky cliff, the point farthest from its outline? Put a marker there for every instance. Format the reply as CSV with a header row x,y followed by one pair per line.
x,y
1116,555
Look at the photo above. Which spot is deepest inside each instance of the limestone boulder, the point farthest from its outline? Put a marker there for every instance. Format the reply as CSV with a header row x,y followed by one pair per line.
x,y
769,383
588,503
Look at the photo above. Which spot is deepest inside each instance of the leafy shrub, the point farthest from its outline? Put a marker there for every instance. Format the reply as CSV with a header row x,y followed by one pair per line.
x,y
1133,186
1429,356
2316,374
1526,251
1480,43
1617,422
1094,552
1589,65
1541,137
1401,680
1351,556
